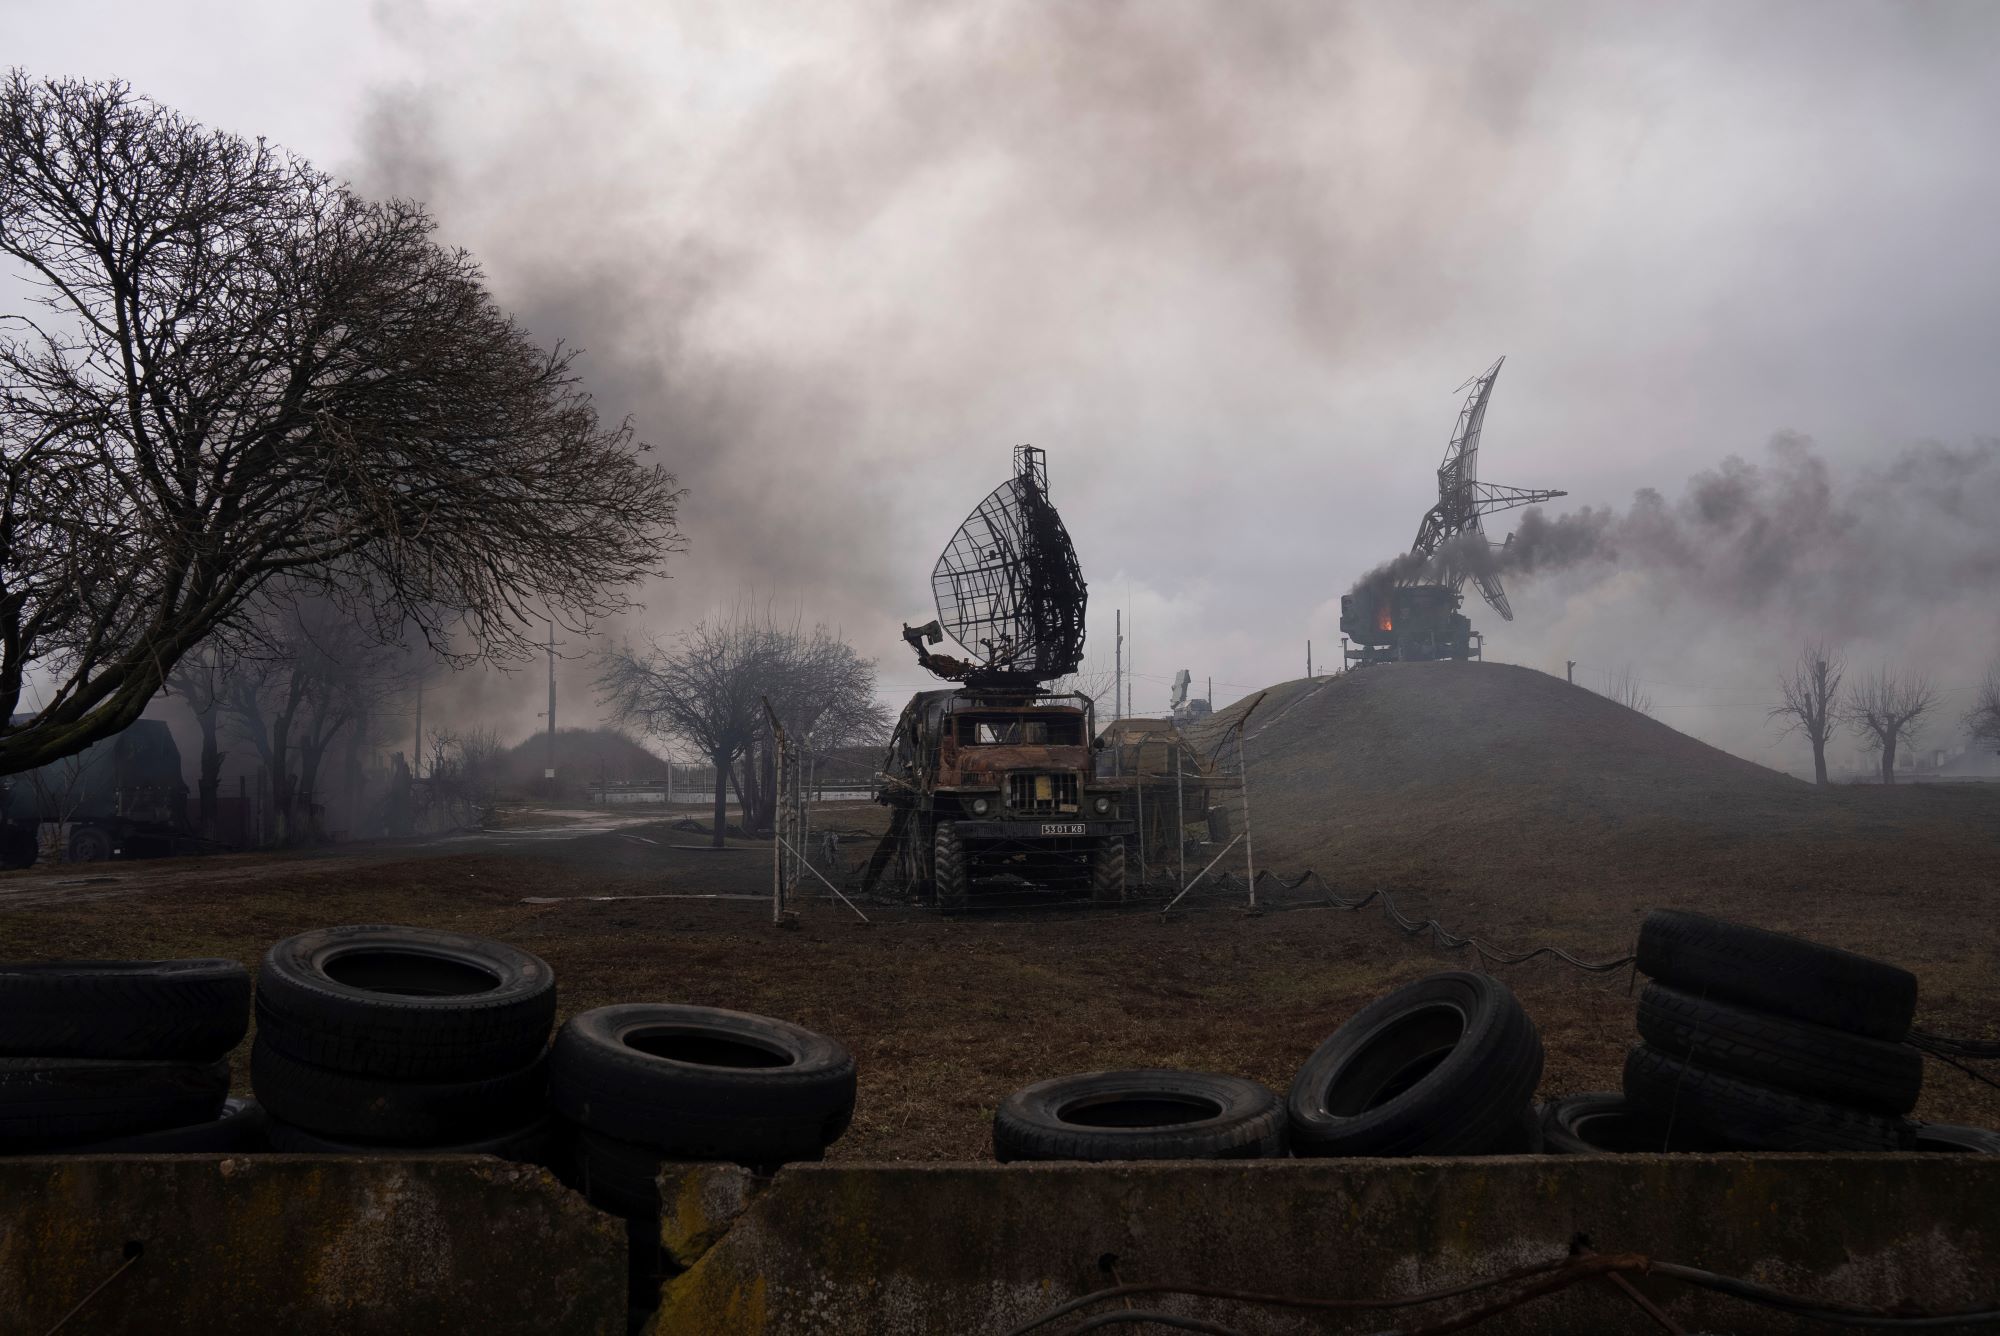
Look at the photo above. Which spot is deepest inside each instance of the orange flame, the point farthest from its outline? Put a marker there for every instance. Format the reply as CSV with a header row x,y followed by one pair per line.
x,y
1382,622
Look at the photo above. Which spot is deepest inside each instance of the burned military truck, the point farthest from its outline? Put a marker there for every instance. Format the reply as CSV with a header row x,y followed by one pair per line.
x,y
993,785
121,797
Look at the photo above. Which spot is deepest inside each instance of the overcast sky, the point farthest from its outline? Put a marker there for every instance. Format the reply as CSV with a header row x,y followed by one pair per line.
x,y
1226,263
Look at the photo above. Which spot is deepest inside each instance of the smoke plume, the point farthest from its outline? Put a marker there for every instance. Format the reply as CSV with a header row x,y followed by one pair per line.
x,y
1852,557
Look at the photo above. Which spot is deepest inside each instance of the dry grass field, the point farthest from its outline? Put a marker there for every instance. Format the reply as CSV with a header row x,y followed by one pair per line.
x,y
1499,801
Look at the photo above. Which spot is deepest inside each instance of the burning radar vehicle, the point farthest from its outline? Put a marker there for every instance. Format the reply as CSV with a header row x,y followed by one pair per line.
x,y
992,784
1415,615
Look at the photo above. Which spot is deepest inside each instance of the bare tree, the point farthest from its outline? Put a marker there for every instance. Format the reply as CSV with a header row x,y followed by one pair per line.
x,y
707,691
248,377
199,678
1626,689
307,678
1982,721
1885,710
1809,701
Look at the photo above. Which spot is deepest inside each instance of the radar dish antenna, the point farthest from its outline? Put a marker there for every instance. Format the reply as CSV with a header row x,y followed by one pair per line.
x,y
1008,589
1463,500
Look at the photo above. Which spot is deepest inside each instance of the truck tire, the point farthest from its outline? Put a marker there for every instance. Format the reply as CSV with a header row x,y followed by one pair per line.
x,y
1140,1115
527,1144
89,844
1444,1066
54,1102
1605,1124
949,873
1772,971
1951,1138
1107,871
383,1109
185,1010
1746,1115
1806,1059
409,1003
239,1127
701,1083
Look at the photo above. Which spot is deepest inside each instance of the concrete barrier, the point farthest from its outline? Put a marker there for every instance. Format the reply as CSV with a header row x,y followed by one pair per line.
x,y
302,1245
308,1244
974,1250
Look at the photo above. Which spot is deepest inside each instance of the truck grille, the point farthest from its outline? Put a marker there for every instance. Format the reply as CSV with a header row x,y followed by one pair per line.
x,y
1042,793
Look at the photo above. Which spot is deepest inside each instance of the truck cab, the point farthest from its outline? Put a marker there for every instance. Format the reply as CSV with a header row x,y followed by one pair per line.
x,y
1001,788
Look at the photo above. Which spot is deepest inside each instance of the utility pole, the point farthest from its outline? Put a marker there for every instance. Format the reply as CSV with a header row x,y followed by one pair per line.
x,y
1309,660
550,774
1118,667
1569,671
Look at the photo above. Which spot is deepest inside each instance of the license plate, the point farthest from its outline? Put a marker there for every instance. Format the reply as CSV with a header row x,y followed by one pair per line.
x,y
1062,828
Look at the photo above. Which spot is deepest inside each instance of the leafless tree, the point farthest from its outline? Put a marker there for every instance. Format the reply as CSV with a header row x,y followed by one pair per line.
x,y
707,690
1982,721
247,377
1809,700
462,777
199,680
307,677
1885,710
1627,690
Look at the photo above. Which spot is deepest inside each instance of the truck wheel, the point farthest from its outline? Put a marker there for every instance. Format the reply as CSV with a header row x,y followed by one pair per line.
x,y
948,870
88,844
1107,871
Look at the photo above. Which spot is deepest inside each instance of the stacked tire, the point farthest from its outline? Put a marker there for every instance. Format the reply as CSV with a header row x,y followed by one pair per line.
x,y
374,1038
1445,1066
1755,1040
640,1084
127,1056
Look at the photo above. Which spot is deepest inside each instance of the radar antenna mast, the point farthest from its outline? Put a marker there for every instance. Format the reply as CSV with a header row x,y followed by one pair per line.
x,y
1463,500
1008,589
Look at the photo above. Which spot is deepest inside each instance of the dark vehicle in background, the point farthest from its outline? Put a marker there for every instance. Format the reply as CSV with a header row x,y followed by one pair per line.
x,y
122,797
999,786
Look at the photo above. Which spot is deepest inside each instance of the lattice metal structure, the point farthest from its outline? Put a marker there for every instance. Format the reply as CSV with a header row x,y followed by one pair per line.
x,y
1463,499
1008,587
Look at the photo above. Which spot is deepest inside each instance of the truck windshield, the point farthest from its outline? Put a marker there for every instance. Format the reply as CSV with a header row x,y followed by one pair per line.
x,y
1049,731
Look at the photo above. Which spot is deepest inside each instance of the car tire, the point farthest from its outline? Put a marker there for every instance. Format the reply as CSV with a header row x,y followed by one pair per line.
x,y
1747,1115
701,1083
356,1107
1607,1124
157,1010
410,1003
950,875
1775,972
1146,1114
529,1143
239,1127
1445,1066
51,1102
1950,1137
1107,871
1793,1055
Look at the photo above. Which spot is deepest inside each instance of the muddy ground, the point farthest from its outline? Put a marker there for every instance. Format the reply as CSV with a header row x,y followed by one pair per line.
x,y
947,1015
